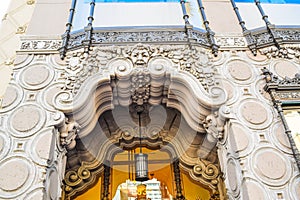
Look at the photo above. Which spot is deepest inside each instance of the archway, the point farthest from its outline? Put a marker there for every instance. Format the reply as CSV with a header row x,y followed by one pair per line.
x,y
108,99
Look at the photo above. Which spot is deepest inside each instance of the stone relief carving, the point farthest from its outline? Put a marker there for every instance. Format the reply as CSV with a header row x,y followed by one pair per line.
x,y
80,179
28,45
196,61
273,79
231,41
214,126
68,133
140,86
287,51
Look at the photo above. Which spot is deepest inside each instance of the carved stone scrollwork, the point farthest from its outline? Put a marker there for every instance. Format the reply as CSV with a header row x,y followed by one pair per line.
x,y
288,51
140,86
207,171
214,126
281,84
76,181
68,133
196,61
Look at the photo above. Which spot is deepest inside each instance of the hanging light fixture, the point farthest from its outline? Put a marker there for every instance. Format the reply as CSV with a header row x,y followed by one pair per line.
x,y
141,159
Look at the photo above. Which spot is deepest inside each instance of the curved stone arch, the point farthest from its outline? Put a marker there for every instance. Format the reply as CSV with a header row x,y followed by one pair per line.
x,y
204,172
161,83
184,93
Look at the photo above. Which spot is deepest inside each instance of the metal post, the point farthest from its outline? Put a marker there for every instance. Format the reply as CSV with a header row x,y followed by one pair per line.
x,y
267,22
250,40
89,27
237,13
179,195
210,34
106,183
185,15
66,36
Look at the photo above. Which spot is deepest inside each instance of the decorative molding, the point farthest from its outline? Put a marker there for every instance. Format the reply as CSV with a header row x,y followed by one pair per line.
x,y
114,37
286,84
140,86
284,91
196,61
231,41
271,36
286,51
68,133
40,45
76,181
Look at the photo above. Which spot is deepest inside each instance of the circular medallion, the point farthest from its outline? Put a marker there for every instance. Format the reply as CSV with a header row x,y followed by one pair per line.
x,y
26,120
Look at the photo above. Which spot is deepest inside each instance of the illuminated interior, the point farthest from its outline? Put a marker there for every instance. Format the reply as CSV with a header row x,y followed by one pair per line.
x,y
123,184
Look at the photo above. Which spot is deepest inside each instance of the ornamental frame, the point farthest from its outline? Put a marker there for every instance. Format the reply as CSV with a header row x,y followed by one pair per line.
x,y
284,92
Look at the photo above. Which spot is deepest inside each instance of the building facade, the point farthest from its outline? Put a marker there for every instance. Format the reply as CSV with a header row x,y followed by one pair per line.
x,y
194,99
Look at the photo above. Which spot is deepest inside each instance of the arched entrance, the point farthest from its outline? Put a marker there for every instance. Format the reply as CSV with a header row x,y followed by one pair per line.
x,y
172,148
180,117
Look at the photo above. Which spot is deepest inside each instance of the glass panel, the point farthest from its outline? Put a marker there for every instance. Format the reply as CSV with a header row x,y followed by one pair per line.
x,y
293,119
271,1
253,18
113,13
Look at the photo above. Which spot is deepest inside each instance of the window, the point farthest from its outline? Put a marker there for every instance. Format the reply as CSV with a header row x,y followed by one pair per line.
x,y
126,13
271,1
253,18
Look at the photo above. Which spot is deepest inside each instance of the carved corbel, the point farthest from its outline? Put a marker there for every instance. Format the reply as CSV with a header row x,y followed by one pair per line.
x,y
214,126
68,133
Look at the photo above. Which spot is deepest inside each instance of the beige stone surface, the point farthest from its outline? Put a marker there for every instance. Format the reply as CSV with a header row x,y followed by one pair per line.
x,y
13,25
221,17
239,70
286,68
42,24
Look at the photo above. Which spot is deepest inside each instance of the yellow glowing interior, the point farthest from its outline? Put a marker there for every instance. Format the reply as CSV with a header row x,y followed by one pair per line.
x,y
159,168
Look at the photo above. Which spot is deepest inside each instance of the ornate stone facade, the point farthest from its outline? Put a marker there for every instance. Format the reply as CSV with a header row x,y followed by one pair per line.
x,y
214,115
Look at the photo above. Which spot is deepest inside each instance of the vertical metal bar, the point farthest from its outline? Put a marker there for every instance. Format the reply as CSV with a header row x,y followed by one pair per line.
x,y
237,13
264,16
91,16
66,36
106,183
179,195
89,28
209,32
250,40
267,22
185,15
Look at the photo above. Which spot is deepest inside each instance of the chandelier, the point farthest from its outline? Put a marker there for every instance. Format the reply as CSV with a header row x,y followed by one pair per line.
x,y
141,159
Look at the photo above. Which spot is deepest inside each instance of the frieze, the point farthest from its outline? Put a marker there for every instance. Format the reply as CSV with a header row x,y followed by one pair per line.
x,y
77,40
288,35
281,84
287,51
30,45
200,37
290,95
196,61
233,42
263,38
